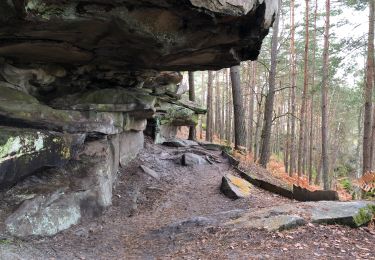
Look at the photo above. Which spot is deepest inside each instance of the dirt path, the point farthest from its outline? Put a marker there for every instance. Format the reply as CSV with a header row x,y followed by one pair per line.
x,y
162,219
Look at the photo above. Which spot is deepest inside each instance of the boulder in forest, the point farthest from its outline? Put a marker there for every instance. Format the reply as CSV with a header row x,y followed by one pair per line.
x,y
234,187
191,159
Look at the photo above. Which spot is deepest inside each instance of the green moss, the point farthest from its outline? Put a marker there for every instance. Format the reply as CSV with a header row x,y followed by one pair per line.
x,y
364,215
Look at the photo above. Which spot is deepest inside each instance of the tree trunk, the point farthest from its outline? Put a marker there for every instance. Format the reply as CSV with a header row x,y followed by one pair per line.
x,y
293,90
209,108
239,113
228,125
325,78
251,106
311,143
267,126
304,94
203,97
192,131
367,131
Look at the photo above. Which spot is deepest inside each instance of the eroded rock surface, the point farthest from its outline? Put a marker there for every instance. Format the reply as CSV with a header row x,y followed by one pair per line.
x,y
81,80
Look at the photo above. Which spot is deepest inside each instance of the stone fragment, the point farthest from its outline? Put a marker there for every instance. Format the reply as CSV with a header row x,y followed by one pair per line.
x,y
234,187
150,172
131,143
191,159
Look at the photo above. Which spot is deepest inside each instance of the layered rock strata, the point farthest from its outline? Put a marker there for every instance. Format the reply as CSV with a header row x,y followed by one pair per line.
x,y
80,81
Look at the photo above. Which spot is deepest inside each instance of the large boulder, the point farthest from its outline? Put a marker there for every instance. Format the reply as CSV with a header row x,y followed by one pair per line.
x,y
44,215
24,151
191,159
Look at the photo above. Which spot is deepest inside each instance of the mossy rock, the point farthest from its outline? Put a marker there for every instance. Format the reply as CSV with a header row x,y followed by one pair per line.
x,y
24,151
20,109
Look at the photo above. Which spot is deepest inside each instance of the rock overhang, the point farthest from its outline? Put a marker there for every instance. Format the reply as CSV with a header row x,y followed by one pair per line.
x,y
135,35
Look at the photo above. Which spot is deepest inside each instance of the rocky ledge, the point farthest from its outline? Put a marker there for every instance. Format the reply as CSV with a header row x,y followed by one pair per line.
x,y
81,81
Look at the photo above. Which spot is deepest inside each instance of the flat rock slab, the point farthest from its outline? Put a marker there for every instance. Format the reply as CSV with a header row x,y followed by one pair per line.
x,y
211,146
175,142
354,213
271,223
190,159
234,187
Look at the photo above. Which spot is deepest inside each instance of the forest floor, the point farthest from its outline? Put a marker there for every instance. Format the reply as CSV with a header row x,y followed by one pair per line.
x,y
148,221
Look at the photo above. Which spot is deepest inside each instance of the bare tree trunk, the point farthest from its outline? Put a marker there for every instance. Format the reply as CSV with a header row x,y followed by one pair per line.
x,y
222,129
251,108
192,131
267,126
229,108
293,95
209,108
203,97
217,106
311,143
287,138
368,136
239,112
325,78
304,94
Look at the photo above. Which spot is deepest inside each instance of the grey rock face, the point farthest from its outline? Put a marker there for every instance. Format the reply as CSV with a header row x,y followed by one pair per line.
x,y
158,42
190,159
18,108
353,213
131,143
44,215
84,188
23,151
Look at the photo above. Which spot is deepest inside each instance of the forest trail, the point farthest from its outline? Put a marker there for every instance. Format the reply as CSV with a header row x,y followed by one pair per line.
x,y
170,218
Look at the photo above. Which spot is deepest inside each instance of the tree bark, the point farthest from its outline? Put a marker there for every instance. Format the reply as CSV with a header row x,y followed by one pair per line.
x,y
238,109
192,129
368,135
251,106
267,126
304,94
293,90
209,108
325,79
311,137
